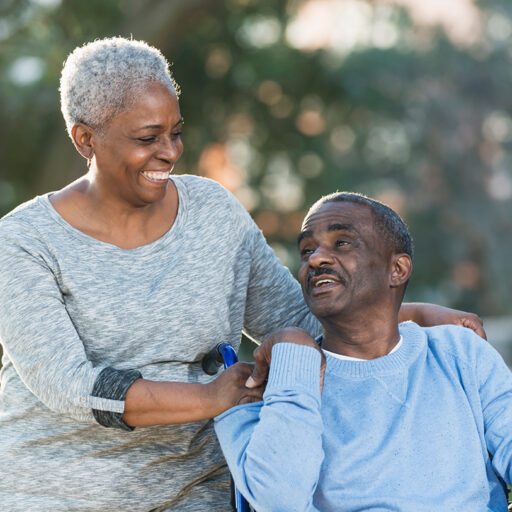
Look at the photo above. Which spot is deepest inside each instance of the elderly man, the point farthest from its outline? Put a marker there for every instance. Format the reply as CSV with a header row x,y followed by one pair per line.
x,y
409,418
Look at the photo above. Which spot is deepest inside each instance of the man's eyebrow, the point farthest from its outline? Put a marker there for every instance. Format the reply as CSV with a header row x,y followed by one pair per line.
x,y
341,227
304,234
332,227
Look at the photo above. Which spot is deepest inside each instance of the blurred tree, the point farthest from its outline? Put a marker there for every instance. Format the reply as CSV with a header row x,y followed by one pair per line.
x,y
286,101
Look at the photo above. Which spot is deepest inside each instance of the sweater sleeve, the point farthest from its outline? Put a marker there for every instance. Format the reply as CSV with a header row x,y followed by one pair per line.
x,y
40,340
274,448
495,389
274,297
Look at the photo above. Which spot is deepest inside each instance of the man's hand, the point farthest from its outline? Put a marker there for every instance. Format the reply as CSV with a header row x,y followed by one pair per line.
x,y
263,354
428,315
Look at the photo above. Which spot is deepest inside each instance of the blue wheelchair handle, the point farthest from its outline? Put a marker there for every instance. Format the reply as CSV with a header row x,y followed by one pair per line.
x,y
221,354
228,354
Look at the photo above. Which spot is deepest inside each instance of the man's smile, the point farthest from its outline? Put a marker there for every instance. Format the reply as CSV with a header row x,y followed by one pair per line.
x,y
324,281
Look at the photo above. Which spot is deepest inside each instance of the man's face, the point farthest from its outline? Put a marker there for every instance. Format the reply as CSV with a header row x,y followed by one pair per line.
x,y
344,261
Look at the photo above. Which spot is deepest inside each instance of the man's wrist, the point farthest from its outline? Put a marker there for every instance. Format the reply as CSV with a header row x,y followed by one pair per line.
x,y
294,365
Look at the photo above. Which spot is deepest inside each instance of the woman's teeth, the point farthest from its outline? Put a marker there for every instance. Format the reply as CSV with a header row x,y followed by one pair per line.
x,y
156,175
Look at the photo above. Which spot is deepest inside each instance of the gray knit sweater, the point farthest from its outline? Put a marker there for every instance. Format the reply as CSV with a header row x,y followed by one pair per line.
x,y
81,319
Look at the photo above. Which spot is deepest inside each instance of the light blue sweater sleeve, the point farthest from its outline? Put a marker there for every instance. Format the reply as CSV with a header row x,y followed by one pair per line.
x,y
274,448
495,389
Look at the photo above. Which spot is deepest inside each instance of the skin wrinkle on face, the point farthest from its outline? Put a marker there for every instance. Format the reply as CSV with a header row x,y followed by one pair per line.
x,y
145,137
340,237
352,278
102,65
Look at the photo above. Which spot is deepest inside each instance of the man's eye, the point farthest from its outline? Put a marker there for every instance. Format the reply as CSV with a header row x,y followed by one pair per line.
x,y
306,252
341,243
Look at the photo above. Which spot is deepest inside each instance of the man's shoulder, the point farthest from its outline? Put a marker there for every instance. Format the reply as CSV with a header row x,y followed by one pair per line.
x,y
461,344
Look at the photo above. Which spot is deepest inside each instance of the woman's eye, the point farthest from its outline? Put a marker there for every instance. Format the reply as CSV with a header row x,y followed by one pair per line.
x,y
176,134
150,138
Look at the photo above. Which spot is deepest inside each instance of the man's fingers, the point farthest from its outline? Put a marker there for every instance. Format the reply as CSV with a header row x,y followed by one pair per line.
x,y
259,374
261,364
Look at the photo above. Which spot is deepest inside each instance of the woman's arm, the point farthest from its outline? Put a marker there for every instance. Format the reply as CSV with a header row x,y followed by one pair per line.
x,y
274,298
160,403
41,341
428,315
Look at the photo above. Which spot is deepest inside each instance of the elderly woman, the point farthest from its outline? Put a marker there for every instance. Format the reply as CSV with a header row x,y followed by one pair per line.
x,y
112,290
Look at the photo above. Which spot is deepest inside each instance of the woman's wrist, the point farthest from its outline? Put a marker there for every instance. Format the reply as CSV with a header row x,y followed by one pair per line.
x,y
411,311
151,403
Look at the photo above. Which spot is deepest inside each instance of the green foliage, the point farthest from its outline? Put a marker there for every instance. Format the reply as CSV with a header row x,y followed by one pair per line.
x,y
424,126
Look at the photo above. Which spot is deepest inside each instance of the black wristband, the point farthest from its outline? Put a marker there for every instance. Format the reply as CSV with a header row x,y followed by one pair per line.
x,y
113,384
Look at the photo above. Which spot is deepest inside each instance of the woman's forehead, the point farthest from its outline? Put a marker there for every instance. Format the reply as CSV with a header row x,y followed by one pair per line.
x,y
156,106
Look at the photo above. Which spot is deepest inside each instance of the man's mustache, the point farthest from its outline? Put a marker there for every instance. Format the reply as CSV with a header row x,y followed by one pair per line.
x,y
324,271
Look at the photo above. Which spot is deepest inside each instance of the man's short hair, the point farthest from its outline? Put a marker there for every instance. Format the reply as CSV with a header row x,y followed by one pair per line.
x,y
387,221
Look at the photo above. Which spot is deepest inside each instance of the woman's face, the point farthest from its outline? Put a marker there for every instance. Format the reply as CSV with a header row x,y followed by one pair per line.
x,y
140,146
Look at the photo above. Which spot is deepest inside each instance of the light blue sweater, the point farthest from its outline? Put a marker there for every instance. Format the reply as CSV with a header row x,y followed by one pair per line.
x,y
411,431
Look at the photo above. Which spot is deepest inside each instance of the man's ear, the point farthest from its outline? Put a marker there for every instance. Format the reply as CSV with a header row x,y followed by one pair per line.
x,y
82,137
401,269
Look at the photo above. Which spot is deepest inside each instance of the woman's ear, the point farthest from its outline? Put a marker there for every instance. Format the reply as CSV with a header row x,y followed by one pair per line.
x,y
82,137
401,269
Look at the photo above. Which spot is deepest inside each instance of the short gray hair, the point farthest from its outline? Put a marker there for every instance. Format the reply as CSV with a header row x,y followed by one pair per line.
x,y
390,225
100,78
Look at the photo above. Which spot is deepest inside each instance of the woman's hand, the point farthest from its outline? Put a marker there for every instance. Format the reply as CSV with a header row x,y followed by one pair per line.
x,y
263,354
229,389
428,315
163,403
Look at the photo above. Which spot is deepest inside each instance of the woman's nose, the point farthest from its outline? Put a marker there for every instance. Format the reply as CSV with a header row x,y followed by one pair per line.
x,y
170,150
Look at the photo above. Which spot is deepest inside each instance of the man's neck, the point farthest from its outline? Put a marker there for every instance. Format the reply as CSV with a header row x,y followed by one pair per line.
x,y
364,340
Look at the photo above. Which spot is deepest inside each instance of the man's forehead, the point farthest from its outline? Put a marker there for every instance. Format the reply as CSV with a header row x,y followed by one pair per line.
x,y
341,213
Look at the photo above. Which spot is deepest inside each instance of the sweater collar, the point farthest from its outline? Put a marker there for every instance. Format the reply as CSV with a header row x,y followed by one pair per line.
x,y
414,342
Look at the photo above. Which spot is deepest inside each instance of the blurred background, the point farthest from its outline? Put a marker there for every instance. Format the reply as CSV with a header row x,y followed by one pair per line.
x,y
408,101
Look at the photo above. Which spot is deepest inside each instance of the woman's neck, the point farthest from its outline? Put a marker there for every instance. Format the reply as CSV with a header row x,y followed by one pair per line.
x,y
88,207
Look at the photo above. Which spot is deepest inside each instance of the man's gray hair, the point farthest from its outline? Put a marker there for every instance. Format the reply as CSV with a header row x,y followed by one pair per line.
x,y
391,226
100,78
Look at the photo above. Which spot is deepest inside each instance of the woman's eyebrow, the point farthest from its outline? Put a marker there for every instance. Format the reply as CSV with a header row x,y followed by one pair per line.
x,y
158,126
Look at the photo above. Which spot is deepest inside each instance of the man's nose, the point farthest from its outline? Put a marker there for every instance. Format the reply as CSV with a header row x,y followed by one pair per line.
x,y
320,257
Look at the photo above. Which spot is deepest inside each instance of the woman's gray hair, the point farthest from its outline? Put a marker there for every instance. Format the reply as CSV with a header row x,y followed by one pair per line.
x,y
100,78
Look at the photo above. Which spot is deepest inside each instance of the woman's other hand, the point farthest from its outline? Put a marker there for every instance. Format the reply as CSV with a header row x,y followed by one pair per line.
x,y
428,315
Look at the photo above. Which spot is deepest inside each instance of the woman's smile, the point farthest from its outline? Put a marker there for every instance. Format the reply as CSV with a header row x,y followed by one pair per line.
x,y
159,177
